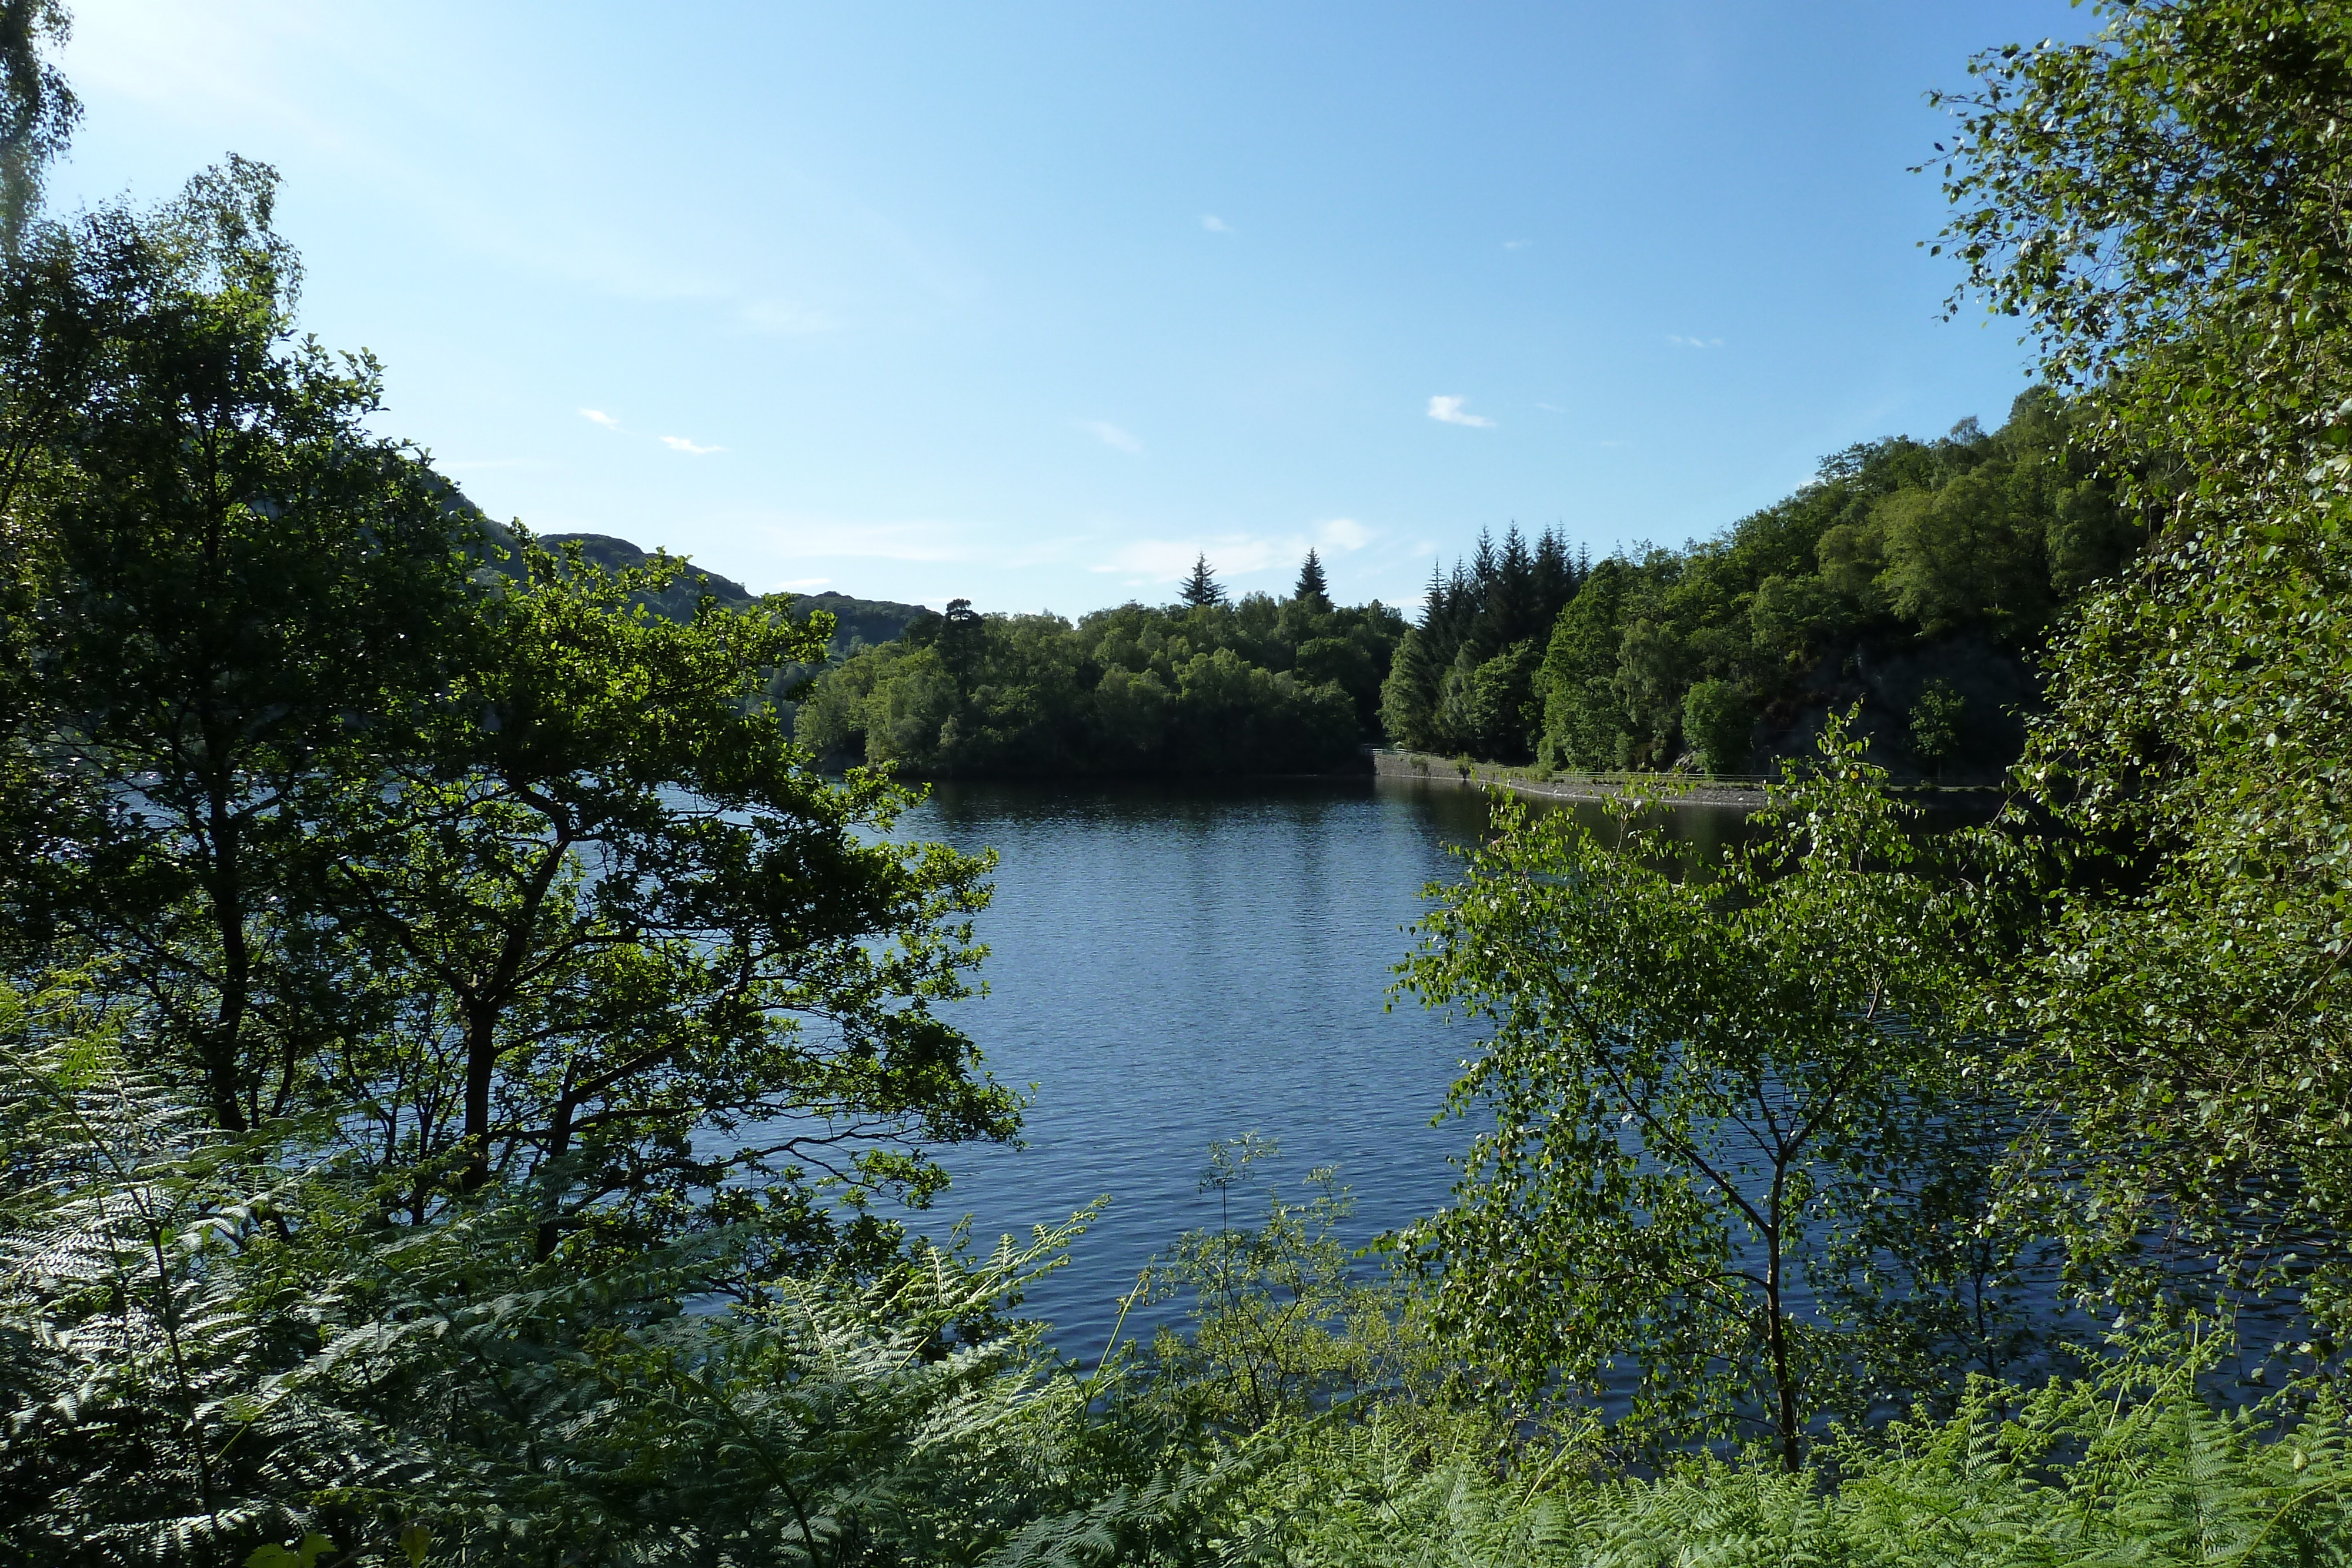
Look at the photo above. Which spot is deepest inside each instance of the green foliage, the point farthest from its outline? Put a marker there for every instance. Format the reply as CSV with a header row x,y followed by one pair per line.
x,y
1936,723
1720,1102
2125,1466
201,1368
609,903
37,109
455,844
1252,687
1465,677
1282,1321
1719,722
1312,590
1582,719
2155,207
201,1376
856,622
231,588
457,1033
1898,545
145,1312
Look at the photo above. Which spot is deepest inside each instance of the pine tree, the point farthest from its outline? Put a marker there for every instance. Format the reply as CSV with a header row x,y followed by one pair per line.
x,y
1463,600
1556,576
1513,610
1203,587
1312,589
1433,602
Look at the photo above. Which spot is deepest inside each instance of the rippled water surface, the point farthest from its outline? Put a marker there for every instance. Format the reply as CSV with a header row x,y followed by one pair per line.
x,y
1174,965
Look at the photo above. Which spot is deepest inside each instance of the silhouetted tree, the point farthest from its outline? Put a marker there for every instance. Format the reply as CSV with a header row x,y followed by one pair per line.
x,y
1312,589
1202,587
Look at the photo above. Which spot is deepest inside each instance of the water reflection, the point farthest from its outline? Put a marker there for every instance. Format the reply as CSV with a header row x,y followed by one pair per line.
x,y
1174,965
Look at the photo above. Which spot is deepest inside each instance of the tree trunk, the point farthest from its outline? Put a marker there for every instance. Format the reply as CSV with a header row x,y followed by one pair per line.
x,y
481,1067
558,1142
1784,1383
221,1042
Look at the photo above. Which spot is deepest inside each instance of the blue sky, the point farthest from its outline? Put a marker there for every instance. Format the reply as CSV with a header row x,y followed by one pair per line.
x,y
1028,303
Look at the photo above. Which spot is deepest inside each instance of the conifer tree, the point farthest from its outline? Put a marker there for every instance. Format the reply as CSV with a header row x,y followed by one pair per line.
x,y
1312,589
1202,587
1513,609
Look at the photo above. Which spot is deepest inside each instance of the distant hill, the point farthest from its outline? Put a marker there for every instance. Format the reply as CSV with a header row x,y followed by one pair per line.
x,y
858,622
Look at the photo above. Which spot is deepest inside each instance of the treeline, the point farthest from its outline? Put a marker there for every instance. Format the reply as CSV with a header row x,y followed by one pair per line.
x,y
856,622
1464,677
1204,686
668,587
1946,560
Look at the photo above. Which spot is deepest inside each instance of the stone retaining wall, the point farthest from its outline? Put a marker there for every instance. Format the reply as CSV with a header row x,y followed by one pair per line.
x,y
1420,767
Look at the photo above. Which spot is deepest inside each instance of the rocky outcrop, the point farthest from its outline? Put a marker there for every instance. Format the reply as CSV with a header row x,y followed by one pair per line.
x,y
1997,687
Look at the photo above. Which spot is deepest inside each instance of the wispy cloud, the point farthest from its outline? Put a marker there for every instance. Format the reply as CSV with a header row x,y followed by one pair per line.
x,y
598,416
1110,435
680,443
1551,408
1171,560
1231,555
802,585
1448,411
1216,224
1679,341
1517,244
788,319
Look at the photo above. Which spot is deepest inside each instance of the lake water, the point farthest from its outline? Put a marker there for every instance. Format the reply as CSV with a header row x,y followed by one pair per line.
x,y
1171,965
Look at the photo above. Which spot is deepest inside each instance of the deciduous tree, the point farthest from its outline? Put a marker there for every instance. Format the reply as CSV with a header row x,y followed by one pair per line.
x,y
1700,1084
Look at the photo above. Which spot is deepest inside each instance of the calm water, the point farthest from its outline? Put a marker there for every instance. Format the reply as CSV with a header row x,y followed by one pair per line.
x,y
1173,965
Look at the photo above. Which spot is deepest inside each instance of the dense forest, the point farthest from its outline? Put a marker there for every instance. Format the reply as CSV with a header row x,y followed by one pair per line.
x,y
1917,579
1916,576
1207,685
455,1043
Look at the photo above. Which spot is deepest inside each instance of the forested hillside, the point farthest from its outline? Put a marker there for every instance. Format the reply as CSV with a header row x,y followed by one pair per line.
x,y
1204,687
858,622
1915,577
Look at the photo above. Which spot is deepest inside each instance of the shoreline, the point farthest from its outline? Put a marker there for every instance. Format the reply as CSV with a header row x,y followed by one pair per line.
x,y
1747,792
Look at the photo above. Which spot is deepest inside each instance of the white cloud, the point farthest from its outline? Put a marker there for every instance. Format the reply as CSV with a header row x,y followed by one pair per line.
x,y
1215,225
598,416
784,316
1171,560
1551,408
1343,533
1448,411
1110,435
1232,555
802,585
680,443
1517,244
1679,341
